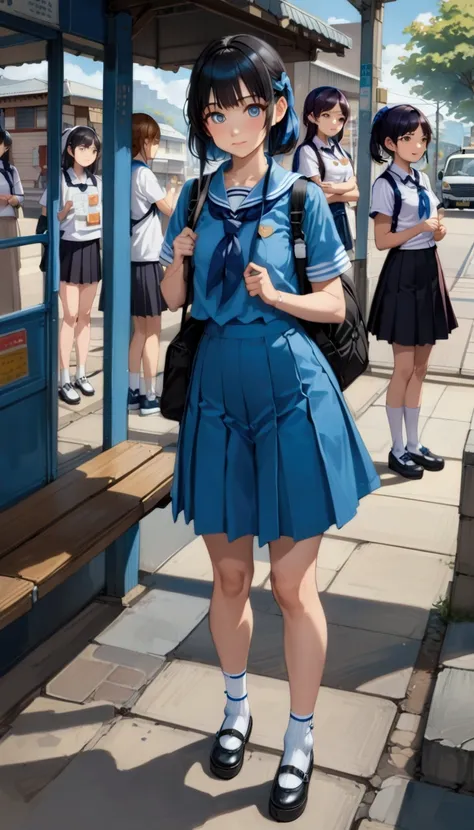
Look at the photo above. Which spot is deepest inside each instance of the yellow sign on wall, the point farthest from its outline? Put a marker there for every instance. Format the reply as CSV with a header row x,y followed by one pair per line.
x,y
13,357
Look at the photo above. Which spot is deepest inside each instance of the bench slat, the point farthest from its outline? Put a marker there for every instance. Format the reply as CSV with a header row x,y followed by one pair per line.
x,y
16,599
62,548
35,514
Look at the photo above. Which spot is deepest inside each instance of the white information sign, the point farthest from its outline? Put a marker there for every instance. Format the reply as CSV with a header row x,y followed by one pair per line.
x,y
43,11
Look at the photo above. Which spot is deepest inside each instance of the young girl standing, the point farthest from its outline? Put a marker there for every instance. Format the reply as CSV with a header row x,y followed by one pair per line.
x,y
267,446
79,254
321,157
411,308
11,197
147,198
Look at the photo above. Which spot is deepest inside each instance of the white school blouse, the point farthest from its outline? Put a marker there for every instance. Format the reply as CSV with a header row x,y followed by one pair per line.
x,y
73,230
383,201
8,210
332,155
147,236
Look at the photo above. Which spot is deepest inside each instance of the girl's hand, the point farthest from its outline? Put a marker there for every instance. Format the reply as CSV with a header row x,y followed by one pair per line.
x,y
259,284
184,244
5,199
328,187
440,233
430,225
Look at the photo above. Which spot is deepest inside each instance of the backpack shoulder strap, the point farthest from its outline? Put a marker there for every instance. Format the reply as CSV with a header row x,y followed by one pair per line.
x,y
297,207
67,178
93,179
197,197
398,198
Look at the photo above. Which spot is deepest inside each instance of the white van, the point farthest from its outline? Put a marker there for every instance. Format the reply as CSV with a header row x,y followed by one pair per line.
x,y
457,180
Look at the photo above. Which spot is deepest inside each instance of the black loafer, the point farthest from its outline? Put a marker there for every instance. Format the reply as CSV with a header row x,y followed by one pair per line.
x,y
425,458
290,804
227,763
405,466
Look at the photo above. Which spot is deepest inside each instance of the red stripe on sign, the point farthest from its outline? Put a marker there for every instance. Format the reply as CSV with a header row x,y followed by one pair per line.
x,y
12,340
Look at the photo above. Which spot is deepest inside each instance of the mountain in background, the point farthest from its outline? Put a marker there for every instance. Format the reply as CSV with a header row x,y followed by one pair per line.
x,y
146,100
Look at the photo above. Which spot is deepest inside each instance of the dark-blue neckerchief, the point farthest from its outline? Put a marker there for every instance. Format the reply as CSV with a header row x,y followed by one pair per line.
x,y
424,204
227,264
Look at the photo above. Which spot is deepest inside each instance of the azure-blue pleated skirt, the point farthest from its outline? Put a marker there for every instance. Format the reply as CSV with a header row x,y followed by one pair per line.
x,y
267,446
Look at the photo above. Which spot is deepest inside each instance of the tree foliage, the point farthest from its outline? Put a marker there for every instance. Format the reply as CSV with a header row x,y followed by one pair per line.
x,y
441,59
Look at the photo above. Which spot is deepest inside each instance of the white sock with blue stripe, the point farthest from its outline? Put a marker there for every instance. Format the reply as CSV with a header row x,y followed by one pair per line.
x,y
298,747
237,710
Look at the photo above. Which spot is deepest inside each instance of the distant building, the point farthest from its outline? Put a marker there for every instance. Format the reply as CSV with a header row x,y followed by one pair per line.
x,y
23,112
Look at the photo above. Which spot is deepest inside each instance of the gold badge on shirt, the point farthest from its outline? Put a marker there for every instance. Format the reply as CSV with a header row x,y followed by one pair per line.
x,y
265,231
344,161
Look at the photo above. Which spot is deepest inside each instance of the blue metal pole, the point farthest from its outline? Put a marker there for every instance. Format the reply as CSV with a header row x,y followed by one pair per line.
x,y
55,116
122,559
371,17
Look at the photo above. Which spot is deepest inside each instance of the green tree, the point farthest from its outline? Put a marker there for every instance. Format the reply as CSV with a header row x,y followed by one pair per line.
x,y
442,58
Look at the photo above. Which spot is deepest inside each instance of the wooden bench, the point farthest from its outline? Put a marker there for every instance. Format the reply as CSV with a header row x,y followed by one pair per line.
x,y
49,535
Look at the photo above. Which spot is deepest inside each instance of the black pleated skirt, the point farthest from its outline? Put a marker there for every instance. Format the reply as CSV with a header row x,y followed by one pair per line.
x,y
339,214
147,299
411,305
80,262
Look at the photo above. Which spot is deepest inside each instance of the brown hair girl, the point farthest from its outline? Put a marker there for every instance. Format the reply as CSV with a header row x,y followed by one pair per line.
x,y
145,131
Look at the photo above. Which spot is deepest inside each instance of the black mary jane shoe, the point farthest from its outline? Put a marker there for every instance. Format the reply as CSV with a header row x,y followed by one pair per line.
x,y
289,804
425,458
406,466
227,763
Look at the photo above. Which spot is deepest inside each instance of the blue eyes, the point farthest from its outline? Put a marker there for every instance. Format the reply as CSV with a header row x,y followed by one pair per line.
x,y
219,118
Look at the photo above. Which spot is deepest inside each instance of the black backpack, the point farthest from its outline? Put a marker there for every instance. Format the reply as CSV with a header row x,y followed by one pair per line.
x,y
344,345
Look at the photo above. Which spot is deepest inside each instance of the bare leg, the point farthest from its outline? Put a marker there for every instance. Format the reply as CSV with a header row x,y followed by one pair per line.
x,y
231,622
69,295
151,353
87,295
413,397
137,344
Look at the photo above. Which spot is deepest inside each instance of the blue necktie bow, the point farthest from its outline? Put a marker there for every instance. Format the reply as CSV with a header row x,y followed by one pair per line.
x,y
227,263
424,204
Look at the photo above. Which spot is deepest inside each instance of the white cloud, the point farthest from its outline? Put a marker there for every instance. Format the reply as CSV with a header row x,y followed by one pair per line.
x,y
334,20
425,18
74,72
174,90
26,71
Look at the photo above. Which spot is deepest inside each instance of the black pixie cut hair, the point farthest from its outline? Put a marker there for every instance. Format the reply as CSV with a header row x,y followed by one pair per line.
x,y
81,137
394,123
6,139
218,72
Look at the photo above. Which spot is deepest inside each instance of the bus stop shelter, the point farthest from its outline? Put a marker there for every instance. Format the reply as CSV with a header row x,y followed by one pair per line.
x,y
163,33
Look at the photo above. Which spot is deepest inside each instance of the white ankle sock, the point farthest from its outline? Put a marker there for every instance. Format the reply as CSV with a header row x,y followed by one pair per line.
x,y
134,380
142,386
395,420
237,710
150,388
412,416
65,377
298,746
80,372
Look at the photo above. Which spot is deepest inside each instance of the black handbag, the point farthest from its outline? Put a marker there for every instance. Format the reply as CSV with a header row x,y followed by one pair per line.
x,y
182,349
344,345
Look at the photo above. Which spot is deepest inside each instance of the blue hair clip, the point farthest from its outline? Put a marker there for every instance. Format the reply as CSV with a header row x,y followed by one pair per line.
x,y
284,85
378,115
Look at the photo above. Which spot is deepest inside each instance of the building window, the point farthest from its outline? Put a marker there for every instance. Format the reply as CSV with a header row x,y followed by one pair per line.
x,y
26,118
41,118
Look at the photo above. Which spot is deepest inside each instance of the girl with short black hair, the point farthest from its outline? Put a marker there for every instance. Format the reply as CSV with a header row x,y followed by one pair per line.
x,y
411,308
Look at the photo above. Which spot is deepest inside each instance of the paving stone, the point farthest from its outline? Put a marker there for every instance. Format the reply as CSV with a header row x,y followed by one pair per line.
x,y
458,646
113,693
324,578
36,668
79,680
363,392
442,488
446,438
350,730
411,805
374,825
401,738
87,430
408,723
160,538
387,589
123,657
42,741
448,354
334,553
157,623
448,746
140,773
403,523
357,660
131,678
462,594
455,404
